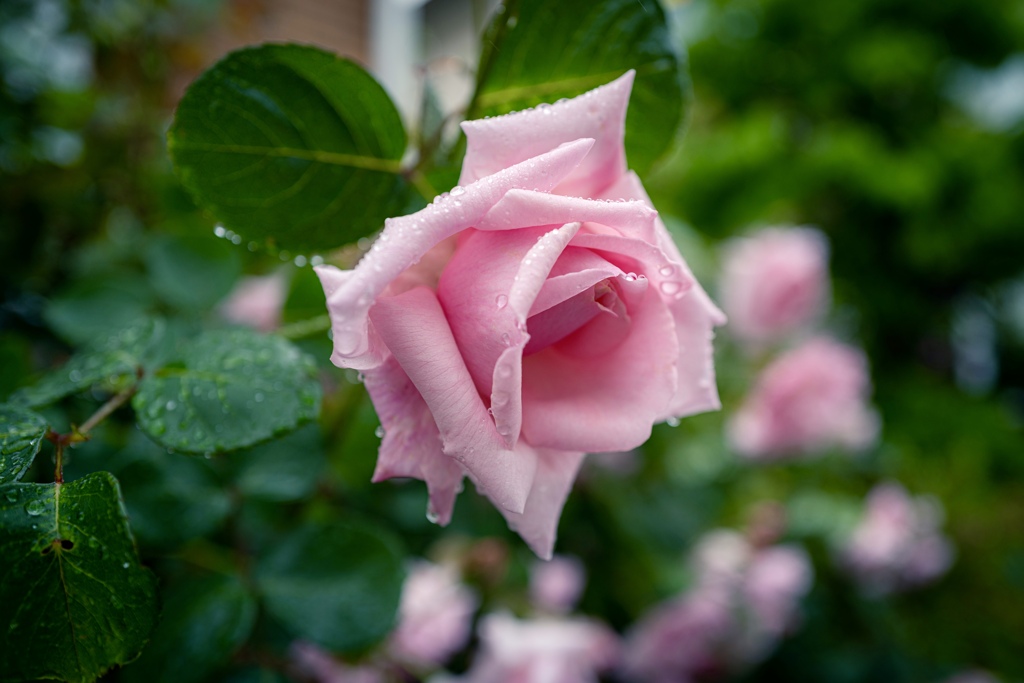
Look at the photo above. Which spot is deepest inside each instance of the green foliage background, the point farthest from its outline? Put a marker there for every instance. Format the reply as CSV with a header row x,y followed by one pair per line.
x,y
845,114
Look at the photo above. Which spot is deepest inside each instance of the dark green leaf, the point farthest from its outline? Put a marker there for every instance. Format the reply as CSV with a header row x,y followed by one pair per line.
x,y
203,623
192,273
336,585
93,309
113,364
170,499
291,144
21,434
540,51
74,600
234,389
284,469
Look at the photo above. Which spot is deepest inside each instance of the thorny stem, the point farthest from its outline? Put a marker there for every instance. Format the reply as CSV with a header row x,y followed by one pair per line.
x,y
80,434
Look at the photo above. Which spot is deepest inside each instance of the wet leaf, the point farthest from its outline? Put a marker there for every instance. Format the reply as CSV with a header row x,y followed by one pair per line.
x,y
291,144
232,389
74,600
21,434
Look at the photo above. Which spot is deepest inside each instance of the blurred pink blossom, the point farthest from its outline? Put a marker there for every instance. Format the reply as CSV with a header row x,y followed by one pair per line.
x,y
743,601
257,301
897,544
545,650
435,616
807,400
774,282
320,666
557,584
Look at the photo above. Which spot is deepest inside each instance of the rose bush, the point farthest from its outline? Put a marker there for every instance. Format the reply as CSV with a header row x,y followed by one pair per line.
x,y
537,312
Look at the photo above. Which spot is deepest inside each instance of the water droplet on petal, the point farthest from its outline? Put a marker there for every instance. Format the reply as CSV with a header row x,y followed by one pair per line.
x,y
672,422
501,300
379,431
669,287
457,190
667,270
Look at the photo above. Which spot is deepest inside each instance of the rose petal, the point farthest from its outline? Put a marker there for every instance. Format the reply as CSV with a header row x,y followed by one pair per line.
x,y
406,239
414,328
411,446
607,402
526,208
498,142
538,523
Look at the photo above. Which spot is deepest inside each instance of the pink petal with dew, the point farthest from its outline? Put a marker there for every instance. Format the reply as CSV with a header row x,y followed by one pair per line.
x,y
538,523
406,239
695,314
487,295
501,141
413,327
411,446
605,402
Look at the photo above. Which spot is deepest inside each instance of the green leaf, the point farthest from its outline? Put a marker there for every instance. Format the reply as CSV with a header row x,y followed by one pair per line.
x,y
21,434
291,144
283,469
203,623
233,389
113,364
170,499
540,51
74,600
93,309
192,273
336,585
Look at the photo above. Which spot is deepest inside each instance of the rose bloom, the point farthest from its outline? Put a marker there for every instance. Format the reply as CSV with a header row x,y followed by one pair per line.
x,y
545,650
808,399
257,301
435,616
743,602
897,543
556,584
774,282
538,311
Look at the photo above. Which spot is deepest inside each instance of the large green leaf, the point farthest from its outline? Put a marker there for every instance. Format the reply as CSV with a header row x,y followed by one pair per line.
x,y
233,388
21,434
540,51
203,623
74,600
336,585
113,363
291,144
94,308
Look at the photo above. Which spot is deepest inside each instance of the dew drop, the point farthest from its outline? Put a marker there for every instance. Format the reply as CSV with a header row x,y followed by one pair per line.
x,y
34,507
219,231
672,422
124,565
12,496
171,405
432,516
667,270
379,432
501,300
629,277
258,397
669,287
457,191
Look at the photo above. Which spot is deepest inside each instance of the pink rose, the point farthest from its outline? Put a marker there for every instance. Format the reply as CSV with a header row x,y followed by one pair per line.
x,y
774,282
556,584
435,616
541,651
808,399
537,312
897,544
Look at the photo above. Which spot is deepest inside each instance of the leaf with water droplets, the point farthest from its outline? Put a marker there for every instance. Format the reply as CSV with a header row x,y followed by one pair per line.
x,y
74,600
112,363
521,66
291,144
21,433
335,585
231,389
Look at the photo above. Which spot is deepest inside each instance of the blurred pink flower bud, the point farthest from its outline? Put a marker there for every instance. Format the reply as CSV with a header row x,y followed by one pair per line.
x,y
320,666
435,616
743,601
546,650
557,584
897,544
774,282
257,301
809,399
